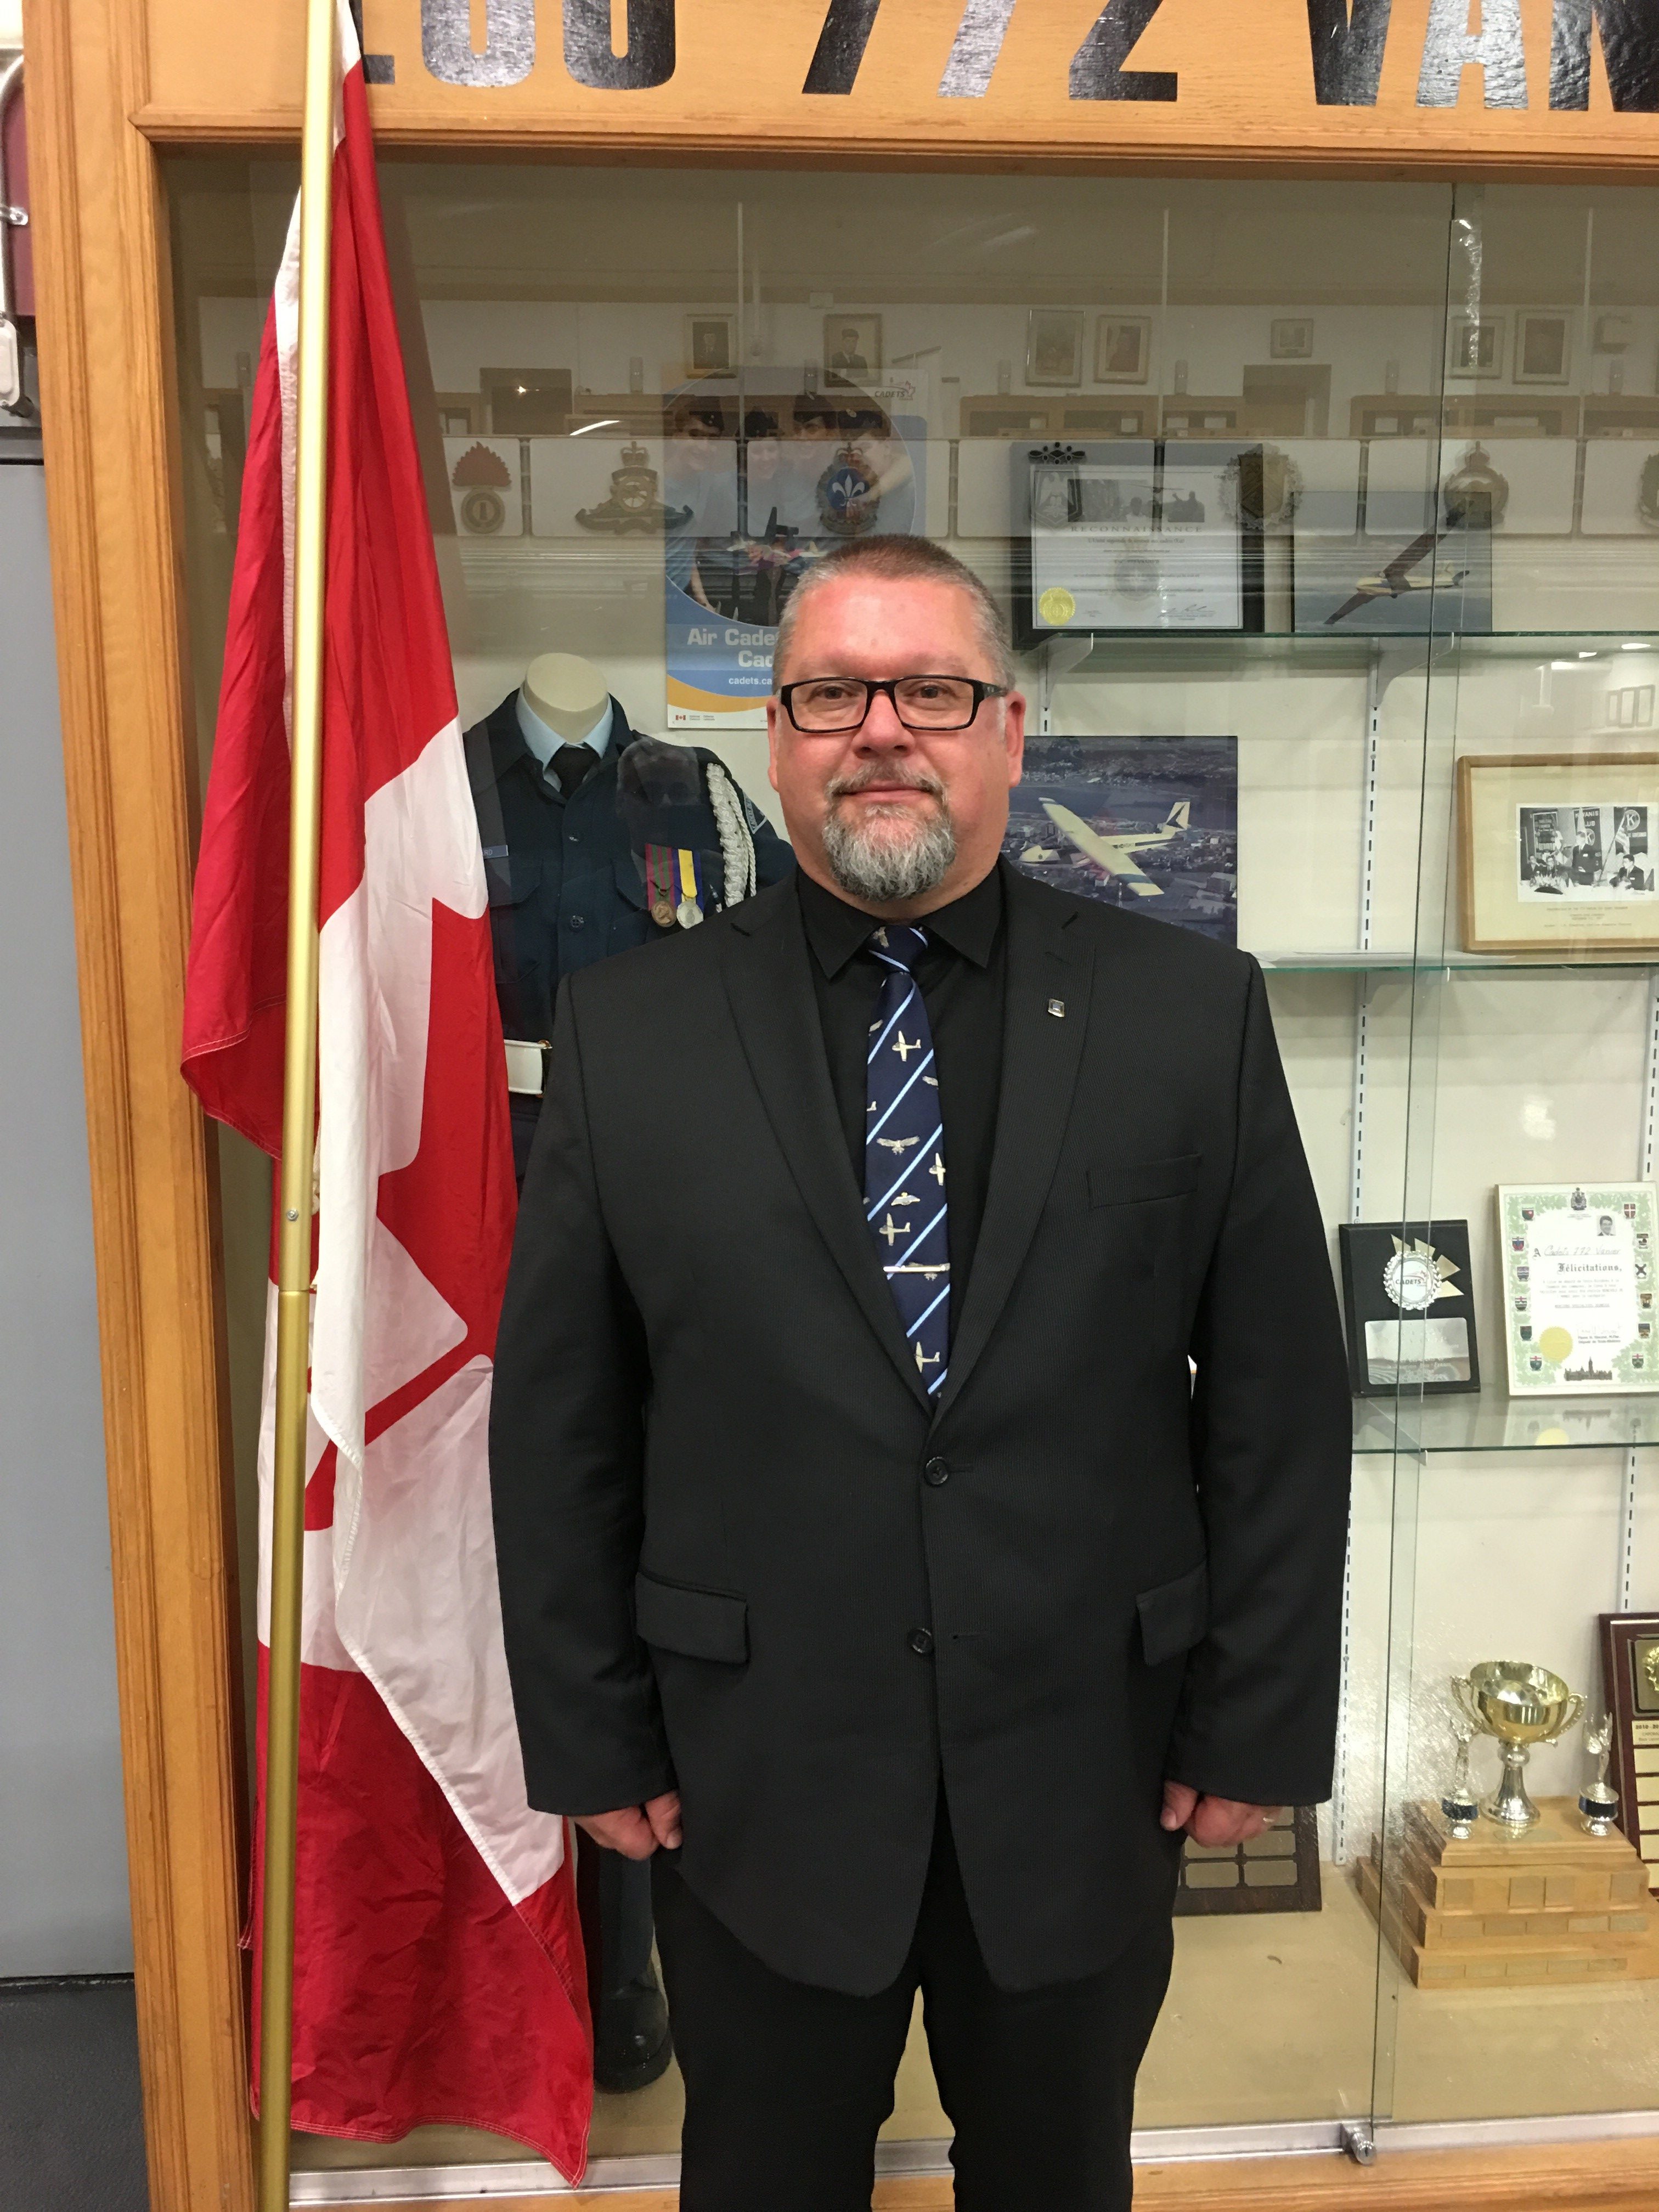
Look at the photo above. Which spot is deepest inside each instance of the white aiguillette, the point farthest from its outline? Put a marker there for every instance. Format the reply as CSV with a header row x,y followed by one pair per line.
x,y
1578,1287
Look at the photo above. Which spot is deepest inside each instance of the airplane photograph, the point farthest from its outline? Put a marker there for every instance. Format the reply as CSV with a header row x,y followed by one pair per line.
x,y
1147,822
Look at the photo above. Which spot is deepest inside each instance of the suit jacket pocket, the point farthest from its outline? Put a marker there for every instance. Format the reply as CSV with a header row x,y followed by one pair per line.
x,y
701,1623
1122,1184
1175,1615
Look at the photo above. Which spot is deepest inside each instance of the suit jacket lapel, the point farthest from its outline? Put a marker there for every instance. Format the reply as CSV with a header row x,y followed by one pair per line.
x,y
1041,1052
769,987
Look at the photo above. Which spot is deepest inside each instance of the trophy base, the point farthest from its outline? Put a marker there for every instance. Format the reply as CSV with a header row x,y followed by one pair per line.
x,y
1554,1905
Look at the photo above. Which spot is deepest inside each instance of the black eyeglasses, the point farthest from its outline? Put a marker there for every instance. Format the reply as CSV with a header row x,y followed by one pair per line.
x,y
921,702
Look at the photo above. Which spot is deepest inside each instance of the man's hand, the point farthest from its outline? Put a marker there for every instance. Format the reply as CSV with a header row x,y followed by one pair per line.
x,y
636,1830
1209,1819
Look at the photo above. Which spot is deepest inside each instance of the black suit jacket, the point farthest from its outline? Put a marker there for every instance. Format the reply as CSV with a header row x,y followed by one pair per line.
x,y
742,1554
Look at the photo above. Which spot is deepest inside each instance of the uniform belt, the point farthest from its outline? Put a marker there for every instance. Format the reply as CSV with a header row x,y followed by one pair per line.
x,y
526,1068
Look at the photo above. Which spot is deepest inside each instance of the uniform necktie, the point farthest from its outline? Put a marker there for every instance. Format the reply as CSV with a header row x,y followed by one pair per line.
x,y
572,765
904,1153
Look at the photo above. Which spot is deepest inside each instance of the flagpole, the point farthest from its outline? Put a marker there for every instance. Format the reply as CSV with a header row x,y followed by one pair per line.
x,y
293,1242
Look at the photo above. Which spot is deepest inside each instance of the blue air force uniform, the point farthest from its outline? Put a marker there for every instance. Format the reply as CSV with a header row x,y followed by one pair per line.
x,y
575,878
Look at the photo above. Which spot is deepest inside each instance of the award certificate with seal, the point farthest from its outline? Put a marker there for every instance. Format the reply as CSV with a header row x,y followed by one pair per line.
x,y
1578,1287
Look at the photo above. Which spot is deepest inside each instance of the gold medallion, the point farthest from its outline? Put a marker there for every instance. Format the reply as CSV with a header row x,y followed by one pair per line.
x,y
1056,605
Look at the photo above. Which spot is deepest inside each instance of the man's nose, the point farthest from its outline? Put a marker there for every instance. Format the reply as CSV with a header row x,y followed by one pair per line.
x,y
882,729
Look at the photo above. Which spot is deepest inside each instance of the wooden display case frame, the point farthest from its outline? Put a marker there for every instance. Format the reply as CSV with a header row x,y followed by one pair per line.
x,y
113,85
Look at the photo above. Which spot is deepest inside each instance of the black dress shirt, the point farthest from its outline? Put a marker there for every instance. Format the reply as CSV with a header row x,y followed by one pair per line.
x,y
962,977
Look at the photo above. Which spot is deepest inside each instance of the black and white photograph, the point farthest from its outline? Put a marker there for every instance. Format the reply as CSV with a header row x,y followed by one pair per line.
x,y
1123,348
1589,855
1150,823
1543,347
1291,337
852,347
1053,346
1474,345
710,345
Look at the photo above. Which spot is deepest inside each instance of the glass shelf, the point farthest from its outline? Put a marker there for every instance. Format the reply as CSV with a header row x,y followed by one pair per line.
x,y
1398,961
1490,1420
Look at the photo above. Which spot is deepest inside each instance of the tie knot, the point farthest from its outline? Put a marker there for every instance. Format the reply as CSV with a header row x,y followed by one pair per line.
x,y
900,944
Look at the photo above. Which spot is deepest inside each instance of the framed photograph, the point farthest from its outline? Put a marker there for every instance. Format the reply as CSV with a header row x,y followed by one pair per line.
x,y
1579,1262
1630,1687
852,349
1408,1298
1123,348
1053,346
711,345
1474,345
1543,347
1556,852
1291,338
1147,822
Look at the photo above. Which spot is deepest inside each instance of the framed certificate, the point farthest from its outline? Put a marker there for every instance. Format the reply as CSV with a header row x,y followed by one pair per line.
x,y
1409,1302
1630,1682
1556,851
1131,534
1578,1288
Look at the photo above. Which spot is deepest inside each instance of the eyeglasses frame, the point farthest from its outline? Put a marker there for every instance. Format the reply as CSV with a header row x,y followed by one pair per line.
x,y
874,687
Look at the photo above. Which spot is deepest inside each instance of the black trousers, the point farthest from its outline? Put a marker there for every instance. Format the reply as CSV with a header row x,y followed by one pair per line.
x,y
786,2085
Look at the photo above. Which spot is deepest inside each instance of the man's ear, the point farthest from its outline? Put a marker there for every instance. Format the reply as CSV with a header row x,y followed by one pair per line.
x,y
772,743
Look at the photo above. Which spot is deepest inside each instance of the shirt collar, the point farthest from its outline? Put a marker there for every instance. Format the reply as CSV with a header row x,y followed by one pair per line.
x,y
837,931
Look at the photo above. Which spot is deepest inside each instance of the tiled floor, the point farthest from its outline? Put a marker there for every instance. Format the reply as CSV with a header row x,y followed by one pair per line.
x,y
72,2125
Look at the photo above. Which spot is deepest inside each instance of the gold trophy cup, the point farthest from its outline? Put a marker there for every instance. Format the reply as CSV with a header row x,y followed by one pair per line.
x,y
1519,1705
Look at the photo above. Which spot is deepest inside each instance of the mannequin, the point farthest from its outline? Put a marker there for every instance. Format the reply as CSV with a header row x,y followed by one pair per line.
x,y
563,701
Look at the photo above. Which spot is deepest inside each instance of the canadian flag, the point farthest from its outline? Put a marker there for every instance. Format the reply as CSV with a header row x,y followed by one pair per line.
x,y
438,1970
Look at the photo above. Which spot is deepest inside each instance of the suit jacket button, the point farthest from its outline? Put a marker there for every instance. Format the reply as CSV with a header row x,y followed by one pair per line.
x,y
935,1472
921,1641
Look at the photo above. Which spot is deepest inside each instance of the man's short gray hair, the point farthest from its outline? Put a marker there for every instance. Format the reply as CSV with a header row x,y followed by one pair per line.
x,y
901,559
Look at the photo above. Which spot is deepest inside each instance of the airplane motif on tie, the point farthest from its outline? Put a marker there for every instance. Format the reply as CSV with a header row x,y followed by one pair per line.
x,y
905,1148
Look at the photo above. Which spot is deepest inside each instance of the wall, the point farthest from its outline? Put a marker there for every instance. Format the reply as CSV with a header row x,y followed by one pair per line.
x,y
63,1857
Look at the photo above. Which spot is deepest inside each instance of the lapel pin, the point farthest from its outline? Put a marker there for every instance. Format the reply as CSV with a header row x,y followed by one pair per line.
x,y
1057,1008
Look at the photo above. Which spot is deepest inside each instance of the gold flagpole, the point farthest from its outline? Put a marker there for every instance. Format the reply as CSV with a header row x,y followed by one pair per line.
x,y
281,1777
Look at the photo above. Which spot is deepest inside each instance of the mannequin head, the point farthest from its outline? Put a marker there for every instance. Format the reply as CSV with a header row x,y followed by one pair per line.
x,y
566,692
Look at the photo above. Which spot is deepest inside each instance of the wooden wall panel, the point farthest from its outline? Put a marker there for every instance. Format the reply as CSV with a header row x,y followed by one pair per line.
x,y
101,295
736,92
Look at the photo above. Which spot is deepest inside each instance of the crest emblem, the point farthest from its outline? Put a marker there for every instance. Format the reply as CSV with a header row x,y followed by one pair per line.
x,y
848,502
1417,1276
481,476
633,504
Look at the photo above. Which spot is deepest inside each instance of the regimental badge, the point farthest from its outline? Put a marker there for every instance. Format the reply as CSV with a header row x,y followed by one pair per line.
x,y
1417,1276
676,890
633,504
1578,1202
848,502
481,475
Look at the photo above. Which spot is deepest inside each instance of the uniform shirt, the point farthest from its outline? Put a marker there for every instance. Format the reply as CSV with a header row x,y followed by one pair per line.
x,y
963,974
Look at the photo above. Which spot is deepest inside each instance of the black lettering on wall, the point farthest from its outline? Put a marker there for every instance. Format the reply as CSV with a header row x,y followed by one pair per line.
x,y
509,52
650,57
1348,39
841,42
1098,71
1630,47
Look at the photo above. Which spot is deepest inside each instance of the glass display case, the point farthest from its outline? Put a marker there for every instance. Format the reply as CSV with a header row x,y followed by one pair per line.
x,y
1326,515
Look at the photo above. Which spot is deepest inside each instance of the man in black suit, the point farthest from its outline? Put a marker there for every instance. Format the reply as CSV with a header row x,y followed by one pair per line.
x,y
870,1553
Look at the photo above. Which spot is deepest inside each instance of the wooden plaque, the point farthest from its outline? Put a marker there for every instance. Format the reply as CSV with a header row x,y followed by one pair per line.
x,y
1275,1872
1630,1679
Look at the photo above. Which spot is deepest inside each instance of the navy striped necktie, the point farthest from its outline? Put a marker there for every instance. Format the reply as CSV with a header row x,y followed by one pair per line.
x,y
904,1198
